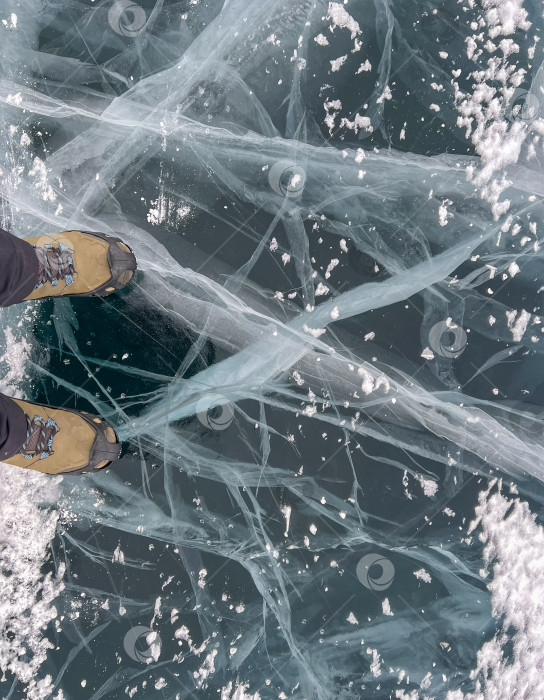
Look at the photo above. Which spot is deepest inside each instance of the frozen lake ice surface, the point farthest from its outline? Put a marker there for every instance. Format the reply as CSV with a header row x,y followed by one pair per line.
x,y
327,372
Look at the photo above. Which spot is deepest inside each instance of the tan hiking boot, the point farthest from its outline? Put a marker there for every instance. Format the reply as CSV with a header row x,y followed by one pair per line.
x,y
64,441
81,263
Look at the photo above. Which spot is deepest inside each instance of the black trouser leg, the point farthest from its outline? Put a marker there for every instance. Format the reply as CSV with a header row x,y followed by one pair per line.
x,y
18,269
12,427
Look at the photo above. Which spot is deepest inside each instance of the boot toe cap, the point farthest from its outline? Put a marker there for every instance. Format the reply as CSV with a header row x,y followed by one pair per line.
x,y
106,448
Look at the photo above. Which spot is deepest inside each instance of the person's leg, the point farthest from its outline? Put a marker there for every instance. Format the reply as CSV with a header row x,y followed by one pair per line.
x,y
18,269
13,428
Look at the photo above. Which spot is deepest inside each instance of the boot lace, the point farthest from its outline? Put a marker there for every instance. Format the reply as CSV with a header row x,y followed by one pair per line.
x,y
55,265
39,437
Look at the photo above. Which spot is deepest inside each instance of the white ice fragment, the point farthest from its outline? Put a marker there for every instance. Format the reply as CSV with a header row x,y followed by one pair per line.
x,y
206,670
39,172
360,155
286,510
386,95
183,211
309,411
321,290
364,67
352,619
341,18
518,325
513,269
423,575
443,213
237,692
183,633
321,40
375,666
426,681
429,486
316,332
14,99
368,383
427,354
298,379
505,16
333,104
333,263
386,607
159,210
337,63
118,556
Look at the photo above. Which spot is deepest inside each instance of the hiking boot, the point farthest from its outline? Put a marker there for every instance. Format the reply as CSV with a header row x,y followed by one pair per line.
x,y
64,441
81,263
